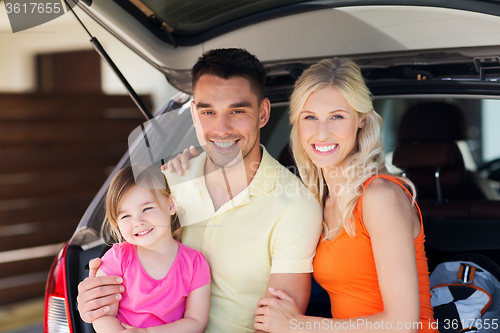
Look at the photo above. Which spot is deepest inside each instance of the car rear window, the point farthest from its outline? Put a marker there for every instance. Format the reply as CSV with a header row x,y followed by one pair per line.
x,y
186,18
481,118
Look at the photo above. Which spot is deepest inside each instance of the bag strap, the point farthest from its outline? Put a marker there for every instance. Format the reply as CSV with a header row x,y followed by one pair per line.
x,y
466,273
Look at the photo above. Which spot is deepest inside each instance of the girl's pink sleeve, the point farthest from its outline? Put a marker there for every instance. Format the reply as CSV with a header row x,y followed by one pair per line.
x,y
111,261
201,272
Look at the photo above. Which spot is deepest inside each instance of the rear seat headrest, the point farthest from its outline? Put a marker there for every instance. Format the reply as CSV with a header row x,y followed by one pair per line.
x,y
432,122
427,155
422,160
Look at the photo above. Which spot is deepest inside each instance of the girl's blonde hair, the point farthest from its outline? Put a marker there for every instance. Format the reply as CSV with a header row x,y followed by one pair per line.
x,y
367,157
121,185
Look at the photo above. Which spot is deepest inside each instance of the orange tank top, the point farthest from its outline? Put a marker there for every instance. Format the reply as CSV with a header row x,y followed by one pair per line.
x,y
345,268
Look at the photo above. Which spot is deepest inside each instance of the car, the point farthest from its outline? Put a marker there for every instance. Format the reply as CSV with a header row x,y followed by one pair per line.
x,y
433,68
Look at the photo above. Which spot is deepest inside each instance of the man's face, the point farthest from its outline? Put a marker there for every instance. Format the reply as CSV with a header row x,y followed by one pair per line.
x,y
228,117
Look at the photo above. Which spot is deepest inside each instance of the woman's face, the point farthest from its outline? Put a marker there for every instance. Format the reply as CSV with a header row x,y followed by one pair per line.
x,y
328,126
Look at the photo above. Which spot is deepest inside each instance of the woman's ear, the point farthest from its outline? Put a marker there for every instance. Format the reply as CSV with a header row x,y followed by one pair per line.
x,y
172,205
362,123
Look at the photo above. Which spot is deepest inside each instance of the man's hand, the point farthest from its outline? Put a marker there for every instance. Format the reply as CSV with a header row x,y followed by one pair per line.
x,y
181,161
95,294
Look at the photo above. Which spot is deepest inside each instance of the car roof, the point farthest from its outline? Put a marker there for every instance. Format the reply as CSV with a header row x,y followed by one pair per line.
x,y
171,35
186,23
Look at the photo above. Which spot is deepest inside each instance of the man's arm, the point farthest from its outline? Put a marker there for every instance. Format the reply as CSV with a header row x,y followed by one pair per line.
x,y
297,285
294,247
97,294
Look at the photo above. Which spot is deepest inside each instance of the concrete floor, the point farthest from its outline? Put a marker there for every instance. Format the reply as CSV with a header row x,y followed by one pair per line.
x,y
29,329
25,317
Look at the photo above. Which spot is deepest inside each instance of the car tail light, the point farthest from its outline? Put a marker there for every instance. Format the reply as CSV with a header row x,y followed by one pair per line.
x,y
56,313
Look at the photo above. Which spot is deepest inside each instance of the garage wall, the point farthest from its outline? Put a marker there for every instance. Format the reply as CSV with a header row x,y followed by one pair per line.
x,y
56,150
17,57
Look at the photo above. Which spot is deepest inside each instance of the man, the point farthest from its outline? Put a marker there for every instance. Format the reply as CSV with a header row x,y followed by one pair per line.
x,y
252,219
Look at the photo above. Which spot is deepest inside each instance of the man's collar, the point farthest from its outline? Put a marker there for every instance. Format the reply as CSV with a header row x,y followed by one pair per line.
x,y
263,181
265,177
197,171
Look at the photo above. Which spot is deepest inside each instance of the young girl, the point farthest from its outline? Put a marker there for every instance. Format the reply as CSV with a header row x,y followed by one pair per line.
x,y
167,285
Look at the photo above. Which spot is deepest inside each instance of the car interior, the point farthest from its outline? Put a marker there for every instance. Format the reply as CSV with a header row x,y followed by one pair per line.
x,y
432,142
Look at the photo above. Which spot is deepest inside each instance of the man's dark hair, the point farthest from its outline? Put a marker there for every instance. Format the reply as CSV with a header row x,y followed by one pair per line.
x,y
229,63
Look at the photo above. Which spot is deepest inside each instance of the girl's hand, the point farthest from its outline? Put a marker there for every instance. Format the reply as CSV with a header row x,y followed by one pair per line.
x,y
276,314
131,329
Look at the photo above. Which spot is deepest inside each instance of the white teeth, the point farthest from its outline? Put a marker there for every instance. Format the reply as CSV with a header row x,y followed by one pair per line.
x,y
224,144
324,149
144,232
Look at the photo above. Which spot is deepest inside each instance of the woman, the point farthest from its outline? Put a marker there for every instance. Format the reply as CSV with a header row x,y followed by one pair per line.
x,y
370,258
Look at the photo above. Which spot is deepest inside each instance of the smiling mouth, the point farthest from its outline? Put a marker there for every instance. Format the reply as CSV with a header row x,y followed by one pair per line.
x,y
325,149
144,232
224,145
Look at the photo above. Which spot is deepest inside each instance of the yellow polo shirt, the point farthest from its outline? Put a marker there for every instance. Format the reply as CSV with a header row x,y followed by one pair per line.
x,y
273,226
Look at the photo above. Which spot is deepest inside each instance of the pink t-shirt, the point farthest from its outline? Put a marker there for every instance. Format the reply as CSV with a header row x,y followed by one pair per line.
x,y
149,302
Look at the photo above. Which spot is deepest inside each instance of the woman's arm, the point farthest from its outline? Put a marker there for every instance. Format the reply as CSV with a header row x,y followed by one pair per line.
x,y
108,323
195,317
393,225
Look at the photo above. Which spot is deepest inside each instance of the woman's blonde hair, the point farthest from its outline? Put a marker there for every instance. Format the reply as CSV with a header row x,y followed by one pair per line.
x,y
367,157
121,185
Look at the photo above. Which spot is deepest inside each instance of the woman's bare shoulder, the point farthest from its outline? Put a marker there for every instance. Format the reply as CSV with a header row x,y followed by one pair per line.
x,y
383,191
384,200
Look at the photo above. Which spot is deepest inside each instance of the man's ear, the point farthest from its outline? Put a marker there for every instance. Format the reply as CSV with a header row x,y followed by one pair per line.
x,y
265,112
194,114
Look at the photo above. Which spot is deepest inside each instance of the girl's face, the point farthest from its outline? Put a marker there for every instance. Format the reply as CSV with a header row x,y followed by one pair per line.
x,y
328,127
144,221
